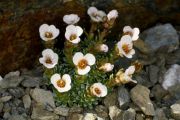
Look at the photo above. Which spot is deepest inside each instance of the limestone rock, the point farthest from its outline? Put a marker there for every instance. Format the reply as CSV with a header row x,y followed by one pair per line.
x,y
114,112
27,101
64,111
42,96
123,96
175,110
140,96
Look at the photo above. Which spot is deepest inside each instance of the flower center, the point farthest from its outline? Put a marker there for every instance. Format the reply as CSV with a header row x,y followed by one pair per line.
x,y
97,90
73,36
125,48
48,60
82,64
61,83
128,33
48,35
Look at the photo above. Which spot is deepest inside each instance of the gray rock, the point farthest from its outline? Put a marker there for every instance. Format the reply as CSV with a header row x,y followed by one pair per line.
x,y
175,111
6,115
76,109
16,92
173,58
27,101
42,96
17,117
10,82
140,117
140,96
171,77
129,114
160,115
114,112
64,111
153,73
12,74
111,99
38,113
30,81
6,107
5,99
62,118
161,36
158,92
101,111
123,96
75,116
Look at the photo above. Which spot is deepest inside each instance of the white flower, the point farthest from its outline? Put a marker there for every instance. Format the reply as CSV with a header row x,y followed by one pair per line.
x,y
133,32
98,89
48,32
83,63
107,67
61,84
125,46
73,33
71,19
104,48
49,59
113,14
95,14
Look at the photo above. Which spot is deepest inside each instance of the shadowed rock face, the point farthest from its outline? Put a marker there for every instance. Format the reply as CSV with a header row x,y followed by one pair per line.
x,y
21,46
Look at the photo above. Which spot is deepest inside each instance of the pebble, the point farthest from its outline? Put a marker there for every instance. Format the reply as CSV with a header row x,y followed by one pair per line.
x,y
64,111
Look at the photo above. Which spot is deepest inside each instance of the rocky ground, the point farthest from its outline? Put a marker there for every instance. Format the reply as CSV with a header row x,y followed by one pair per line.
x,y
25,96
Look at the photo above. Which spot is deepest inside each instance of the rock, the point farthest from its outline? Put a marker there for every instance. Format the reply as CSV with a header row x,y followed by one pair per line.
x,y
142,46
172,76
175,110
153,73
1,78
75,116
75,109
101,111
27,101
140,96
6,115
16,92
5,98
1,107
90,116
161,36
114,112
30,81
11,80
160,115
111,99
6,107
140,117
64,111
42,96
38,113
62,118
129,114
143,79
158,92
173,58
123,96
17,117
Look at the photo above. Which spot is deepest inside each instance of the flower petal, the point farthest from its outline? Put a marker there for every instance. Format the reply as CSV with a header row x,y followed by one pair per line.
x,y
67,78
77,57
130,70
135,34
84,71
55,78
90,58
127,29
79,30
75,41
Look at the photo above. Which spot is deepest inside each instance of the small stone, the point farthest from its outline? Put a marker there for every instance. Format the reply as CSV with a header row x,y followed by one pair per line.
x,y
140,96
171,77
158,92
16,92
111,99
75,116
161,36
30,81
129,114
1,107
153,73
76,109
6,107
175,111
160,115
10,82
17,117
62,118
1,78
39,113
64,111
140,117
6,115
90,116
101,111
123,96
173,58
12,74
5,98
143,79
42,96
114,112
27,101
